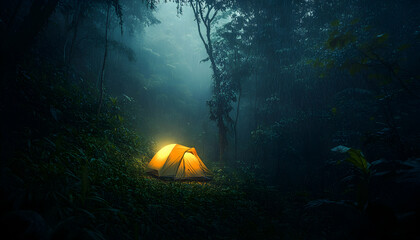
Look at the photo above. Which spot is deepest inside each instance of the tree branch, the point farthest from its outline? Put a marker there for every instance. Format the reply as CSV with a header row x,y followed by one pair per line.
x,y
214,15
202,17
197,19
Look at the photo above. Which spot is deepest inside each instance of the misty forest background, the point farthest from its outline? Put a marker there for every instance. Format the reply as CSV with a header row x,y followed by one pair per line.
x,y
307,113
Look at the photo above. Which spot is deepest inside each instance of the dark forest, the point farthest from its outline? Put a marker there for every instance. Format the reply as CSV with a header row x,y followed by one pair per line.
x,y
210,119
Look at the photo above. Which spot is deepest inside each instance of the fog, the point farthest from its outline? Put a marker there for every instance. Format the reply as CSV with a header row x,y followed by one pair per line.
x,y
174,50
282,119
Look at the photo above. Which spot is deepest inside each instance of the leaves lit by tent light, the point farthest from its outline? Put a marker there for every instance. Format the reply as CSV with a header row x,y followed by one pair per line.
x,y
355,157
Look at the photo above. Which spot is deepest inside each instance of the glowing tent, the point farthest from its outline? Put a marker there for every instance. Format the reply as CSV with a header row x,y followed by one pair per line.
x,y
178,162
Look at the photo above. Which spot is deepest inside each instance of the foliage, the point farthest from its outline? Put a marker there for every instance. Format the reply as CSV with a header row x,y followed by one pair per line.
x,y
84,175
355,157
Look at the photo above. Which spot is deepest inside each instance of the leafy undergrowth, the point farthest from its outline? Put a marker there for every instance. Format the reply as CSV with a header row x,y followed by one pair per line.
x,y
80,175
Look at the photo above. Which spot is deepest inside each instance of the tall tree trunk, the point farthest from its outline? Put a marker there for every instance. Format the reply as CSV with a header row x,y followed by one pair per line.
x,y
101,83
76,22
255,149
236,123
255,103
220,122
206,15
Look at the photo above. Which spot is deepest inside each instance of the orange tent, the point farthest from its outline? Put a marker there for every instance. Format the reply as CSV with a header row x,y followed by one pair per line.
x,y
178,162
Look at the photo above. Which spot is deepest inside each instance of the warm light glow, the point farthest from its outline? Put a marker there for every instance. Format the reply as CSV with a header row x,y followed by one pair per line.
x,y
192,166
178,162
160,157
163,143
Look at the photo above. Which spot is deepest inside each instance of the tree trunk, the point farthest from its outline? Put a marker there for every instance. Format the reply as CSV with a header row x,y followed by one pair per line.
x,y
222,137
255,103
75,31
206,19
236,124
101,87
254,150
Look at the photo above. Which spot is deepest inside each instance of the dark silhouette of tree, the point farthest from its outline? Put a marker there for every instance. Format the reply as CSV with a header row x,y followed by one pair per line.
x,y
118,12
17,40
80,9
206,13
233,54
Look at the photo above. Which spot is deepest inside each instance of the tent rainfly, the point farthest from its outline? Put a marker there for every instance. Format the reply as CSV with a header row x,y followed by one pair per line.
x,y
178,162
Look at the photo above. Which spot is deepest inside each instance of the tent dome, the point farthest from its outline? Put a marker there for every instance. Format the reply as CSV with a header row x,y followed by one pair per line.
x,y
178,162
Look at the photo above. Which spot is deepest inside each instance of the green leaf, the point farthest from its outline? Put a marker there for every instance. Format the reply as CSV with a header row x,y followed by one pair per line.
x,y
334,111
84,181
358,160
113,100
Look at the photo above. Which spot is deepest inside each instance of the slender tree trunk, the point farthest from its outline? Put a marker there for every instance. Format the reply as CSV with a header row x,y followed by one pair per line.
x,y
236,124
75,31
220,122
255,149
255,103
206,15
221,145
101,82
